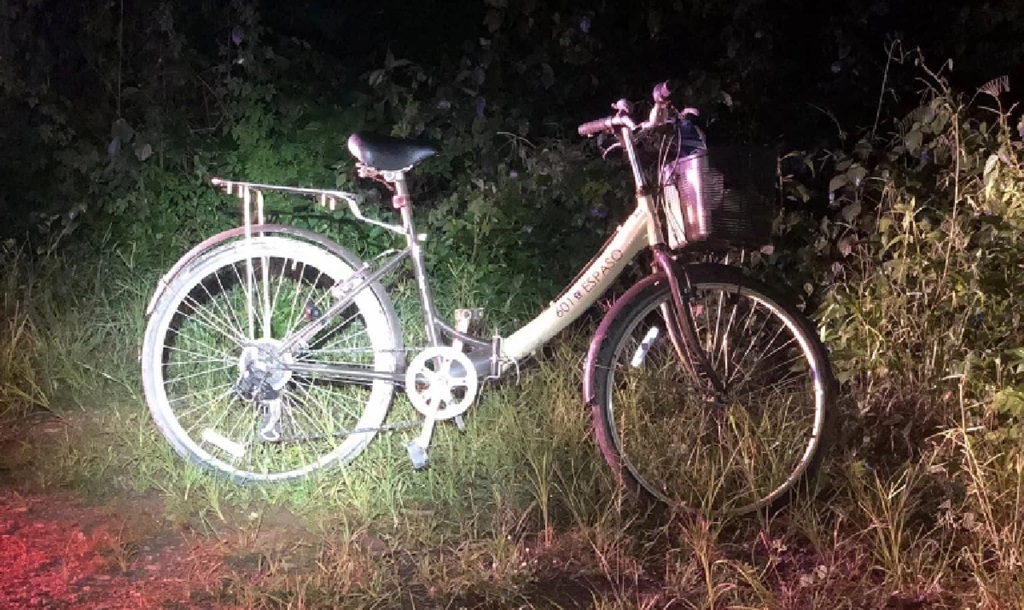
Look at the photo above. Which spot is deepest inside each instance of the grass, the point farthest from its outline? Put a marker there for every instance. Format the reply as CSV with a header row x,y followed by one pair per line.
x,y
519,511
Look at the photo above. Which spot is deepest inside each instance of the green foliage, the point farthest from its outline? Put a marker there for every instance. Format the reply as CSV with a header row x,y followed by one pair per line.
x,y
919,256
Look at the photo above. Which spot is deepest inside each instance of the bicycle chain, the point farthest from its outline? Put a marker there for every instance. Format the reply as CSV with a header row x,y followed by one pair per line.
x,y
395,427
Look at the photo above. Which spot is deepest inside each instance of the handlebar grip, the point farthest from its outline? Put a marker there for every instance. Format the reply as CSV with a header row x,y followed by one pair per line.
x,y
592,128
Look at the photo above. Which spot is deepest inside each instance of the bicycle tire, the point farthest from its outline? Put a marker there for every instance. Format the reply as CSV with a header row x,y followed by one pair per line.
x,y
667,435
201,346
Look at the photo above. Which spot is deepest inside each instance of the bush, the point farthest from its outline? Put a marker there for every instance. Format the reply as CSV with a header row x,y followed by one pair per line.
x,y
921,258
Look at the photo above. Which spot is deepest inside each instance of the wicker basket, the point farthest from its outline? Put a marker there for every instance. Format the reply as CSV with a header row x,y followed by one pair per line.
x,y
719,199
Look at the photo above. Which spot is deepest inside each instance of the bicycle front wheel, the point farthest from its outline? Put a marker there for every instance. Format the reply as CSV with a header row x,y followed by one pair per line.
x,y
228,391
742,445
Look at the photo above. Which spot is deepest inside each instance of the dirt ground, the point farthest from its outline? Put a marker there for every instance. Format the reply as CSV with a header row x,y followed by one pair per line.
x,y
58,552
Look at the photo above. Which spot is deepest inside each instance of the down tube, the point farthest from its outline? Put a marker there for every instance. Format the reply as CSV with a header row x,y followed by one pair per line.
x,y
629,239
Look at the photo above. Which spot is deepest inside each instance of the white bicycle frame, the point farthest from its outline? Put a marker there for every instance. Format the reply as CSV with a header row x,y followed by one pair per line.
x,y
490,357
636,233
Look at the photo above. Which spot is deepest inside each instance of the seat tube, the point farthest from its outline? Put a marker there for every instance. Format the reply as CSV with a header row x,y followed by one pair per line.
x,y
401,201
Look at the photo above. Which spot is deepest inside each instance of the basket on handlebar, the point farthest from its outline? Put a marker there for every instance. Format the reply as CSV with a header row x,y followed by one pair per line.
x,y
719,198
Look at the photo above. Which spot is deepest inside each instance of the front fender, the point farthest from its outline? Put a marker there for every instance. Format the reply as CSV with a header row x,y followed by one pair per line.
x,y
236,233
602,331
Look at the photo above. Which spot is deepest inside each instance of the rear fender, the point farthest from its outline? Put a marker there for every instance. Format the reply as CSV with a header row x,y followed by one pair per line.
x,y
239,233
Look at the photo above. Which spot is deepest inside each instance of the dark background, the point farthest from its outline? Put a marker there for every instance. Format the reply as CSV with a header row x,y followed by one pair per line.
x,y
115,113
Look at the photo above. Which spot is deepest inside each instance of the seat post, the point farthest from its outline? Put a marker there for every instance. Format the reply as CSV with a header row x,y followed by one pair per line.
x,y
401,201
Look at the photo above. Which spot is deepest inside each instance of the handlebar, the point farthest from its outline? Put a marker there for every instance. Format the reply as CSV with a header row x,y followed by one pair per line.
x,y
660,114
592,128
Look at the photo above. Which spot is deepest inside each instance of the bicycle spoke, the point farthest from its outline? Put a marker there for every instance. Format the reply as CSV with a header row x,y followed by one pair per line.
x,y
740,447
216,356
299,304
238,406
211,322
267,327
203,407
335,401
205,373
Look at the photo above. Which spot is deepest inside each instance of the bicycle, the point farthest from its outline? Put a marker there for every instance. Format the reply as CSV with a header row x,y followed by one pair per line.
x,y
271,351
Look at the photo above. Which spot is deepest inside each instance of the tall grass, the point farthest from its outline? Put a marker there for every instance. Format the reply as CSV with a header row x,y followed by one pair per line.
x,y
20,389
519,511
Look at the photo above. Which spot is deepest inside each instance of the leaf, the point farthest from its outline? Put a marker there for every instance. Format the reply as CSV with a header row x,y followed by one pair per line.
x,y
913,141
846,245
927,115
863,149
837,182
493,20
851,212
856,174
1009,401
654,22
547,77
803,193
990,175
121,130
990,164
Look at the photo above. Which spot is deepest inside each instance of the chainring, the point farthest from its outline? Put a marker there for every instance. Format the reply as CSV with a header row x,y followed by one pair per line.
x,y
441,382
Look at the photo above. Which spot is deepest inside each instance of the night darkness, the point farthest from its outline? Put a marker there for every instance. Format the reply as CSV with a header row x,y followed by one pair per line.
x,y
831,55
782,62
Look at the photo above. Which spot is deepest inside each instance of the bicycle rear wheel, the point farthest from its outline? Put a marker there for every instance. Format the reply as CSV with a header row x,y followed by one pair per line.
x,y
744,447
224,388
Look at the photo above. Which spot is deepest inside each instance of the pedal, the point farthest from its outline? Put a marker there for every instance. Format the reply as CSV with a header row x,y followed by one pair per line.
x,y
417,454
460,423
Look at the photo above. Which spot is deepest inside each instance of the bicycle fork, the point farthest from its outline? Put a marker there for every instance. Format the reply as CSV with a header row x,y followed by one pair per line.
x,y
681,328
